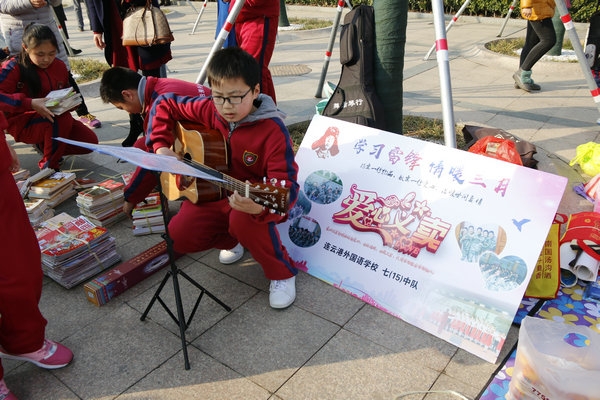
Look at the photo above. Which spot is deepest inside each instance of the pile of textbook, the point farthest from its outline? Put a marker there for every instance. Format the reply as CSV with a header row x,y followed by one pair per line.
x,y
62,100
147,216
21,175
55,189
102,203
38,210
74,249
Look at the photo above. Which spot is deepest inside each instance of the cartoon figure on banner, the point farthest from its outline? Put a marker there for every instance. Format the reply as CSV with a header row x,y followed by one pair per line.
x,y
474,240
323,187
304,232
327,145
502,274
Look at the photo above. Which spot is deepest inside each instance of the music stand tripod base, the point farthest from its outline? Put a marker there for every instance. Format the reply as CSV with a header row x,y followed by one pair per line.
x,y
173,274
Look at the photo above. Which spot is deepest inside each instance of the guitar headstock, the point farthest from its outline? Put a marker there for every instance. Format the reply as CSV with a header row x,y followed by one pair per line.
x,y
273,195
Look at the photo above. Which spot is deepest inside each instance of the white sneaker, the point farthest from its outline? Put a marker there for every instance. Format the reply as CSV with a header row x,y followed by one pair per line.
x,y
282,293
232,255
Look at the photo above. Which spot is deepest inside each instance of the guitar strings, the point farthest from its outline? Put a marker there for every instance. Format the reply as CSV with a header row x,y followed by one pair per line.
x,y
232,185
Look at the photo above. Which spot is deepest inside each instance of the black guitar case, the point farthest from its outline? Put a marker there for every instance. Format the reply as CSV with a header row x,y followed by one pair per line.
x,y
592,43
355,99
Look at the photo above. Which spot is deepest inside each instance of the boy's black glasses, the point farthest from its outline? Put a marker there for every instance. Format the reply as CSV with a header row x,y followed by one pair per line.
x,y
220,100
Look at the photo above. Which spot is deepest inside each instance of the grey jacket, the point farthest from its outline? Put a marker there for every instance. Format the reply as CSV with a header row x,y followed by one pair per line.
x,y
15,15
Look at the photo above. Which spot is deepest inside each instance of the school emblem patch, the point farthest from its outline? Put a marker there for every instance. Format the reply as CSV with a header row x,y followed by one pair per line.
x,y
250,158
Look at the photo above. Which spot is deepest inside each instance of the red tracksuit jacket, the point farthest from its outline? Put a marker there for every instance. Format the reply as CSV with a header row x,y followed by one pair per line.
x,y
143,181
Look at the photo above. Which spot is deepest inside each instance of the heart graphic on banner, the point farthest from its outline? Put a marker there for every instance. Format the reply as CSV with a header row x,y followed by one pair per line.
x,y
501,274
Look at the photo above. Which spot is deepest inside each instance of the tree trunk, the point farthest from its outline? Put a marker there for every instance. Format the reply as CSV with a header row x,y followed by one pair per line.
x,y
391,17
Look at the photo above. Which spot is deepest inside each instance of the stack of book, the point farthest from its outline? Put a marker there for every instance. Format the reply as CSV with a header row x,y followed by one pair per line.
x,y
21,175
147,216
38,210
61,100
56,188
84,183
21,178
24,185
102,204
74,249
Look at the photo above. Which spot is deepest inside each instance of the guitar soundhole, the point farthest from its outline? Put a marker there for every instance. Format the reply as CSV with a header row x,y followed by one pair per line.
x,y
183,181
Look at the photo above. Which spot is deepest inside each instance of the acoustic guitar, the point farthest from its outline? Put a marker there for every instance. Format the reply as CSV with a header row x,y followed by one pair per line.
x,y
206,150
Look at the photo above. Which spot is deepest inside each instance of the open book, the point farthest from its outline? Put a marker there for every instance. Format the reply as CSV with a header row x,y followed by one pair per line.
x,y
61,100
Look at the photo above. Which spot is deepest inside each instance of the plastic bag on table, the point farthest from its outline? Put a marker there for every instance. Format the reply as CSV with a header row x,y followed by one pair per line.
x,y
556,361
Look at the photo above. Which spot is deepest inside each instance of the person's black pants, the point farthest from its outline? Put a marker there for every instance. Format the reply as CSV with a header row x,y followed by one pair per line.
x,y
540,38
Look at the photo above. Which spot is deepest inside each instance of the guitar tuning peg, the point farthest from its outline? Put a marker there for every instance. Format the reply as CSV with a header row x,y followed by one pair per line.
x,y
273,181
264,179
282,183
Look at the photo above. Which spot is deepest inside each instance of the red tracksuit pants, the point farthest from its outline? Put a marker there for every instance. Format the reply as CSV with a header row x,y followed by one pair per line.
x,y
215,225
257,37
30,128
22,326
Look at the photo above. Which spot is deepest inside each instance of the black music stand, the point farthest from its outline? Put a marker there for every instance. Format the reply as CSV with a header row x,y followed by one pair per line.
x,y
157,164
173,273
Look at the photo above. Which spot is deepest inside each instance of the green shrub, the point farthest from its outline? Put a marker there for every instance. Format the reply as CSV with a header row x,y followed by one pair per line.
x,y
87,69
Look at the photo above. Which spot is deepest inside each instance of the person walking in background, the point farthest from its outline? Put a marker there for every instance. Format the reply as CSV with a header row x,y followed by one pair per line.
x,y
61,17
106,19
25,81
256,32
15,15
22,325
79,14
540,38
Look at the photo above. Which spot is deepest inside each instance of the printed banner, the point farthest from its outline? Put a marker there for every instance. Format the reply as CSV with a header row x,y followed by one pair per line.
x,y
441,238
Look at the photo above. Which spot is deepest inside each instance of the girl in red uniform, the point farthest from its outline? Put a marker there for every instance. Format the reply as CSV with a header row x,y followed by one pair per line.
x,y
22,325
32,75
259,146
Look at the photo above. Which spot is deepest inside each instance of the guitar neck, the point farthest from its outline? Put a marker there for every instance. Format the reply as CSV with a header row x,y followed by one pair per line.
x,y
229,183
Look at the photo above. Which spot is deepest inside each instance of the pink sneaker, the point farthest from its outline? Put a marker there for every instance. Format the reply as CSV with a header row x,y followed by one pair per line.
x,y
52,355
90,120
6,394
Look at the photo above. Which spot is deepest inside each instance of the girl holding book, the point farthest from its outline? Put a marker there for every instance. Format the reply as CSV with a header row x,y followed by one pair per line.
x,y
25,81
